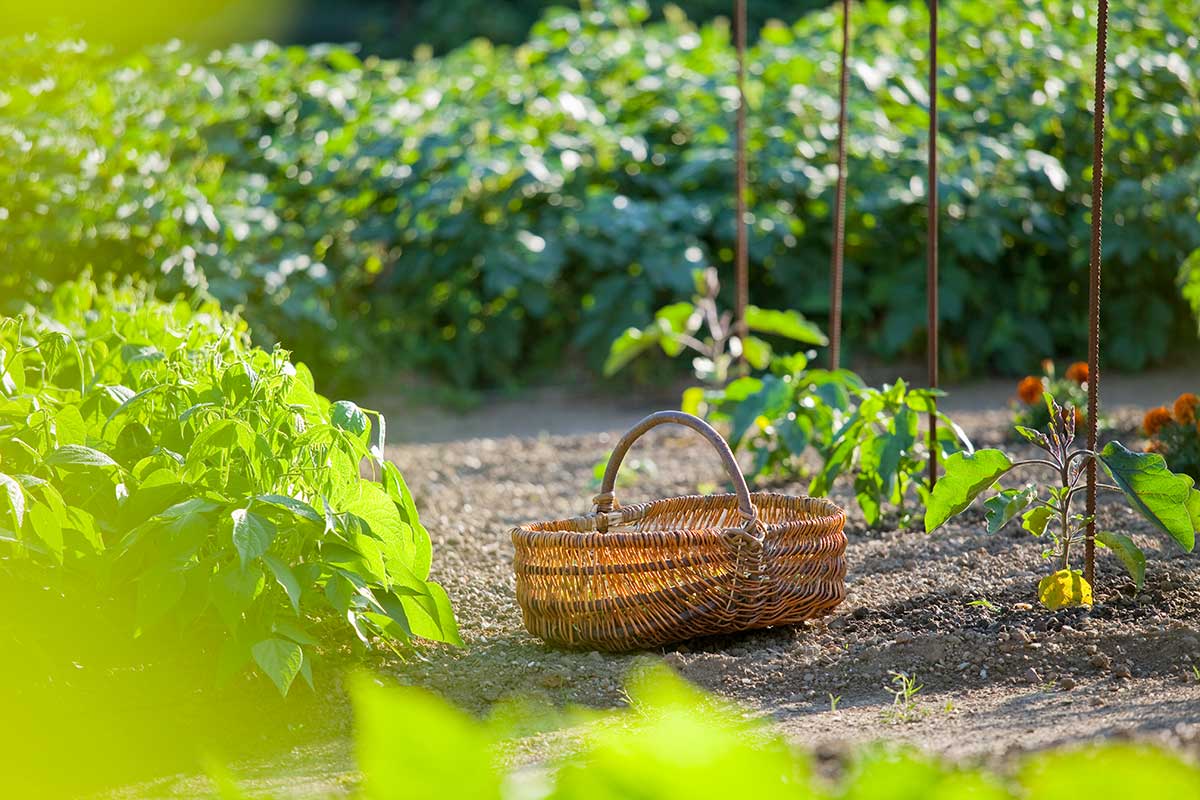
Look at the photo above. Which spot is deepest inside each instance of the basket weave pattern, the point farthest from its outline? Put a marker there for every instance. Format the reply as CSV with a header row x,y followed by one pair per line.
x,y
668,570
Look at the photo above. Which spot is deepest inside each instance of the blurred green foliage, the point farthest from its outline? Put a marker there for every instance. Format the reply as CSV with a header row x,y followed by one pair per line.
x,y
478,216
162,479
676,742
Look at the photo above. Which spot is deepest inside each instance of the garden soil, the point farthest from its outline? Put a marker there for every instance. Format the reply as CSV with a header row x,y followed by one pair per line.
x,y
956,611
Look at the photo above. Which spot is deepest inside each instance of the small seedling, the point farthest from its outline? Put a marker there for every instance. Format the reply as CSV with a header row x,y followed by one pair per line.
x,y
703,328
1169,501
904,689
985,604
833,701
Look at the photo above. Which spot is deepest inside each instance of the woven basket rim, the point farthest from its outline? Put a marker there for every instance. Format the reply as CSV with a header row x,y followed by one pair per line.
x,y
829,513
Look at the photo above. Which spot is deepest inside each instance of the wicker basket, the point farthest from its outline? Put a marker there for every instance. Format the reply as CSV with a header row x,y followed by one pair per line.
x,y
622,578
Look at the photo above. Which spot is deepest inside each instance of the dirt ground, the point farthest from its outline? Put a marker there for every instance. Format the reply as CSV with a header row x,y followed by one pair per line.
x,y
956,609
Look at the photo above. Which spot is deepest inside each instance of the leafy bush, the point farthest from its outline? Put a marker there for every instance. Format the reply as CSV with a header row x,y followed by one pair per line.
x,y
1167,500
480,214
385,30
677,742
149,453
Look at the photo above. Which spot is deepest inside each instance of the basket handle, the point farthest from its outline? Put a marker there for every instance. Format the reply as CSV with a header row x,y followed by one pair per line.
x,y
606,501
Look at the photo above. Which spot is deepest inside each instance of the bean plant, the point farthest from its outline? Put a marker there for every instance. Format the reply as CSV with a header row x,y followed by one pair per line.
x,y
1048,509
149,452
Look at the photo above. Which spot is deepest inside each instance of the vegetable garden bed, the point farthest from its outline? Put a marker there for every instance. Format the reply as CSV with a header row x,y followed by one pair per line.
x,y
956,610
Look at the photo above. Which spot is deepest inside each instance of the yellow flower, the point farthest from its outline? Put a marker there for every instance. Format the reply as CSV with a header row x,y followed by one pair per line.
x,y
1064,589
1030,390
1185,408
1154,420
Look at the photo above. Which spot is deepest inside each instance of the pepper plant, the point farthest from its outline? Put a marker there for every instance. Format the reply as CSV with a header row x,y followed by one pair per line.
x,y
1167,500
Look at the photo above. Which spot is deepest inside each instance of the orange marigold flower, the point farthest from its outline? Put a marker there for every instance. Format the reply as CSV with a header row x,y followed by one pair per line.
x,y
1155,419
1030,390
1185,408
1078,372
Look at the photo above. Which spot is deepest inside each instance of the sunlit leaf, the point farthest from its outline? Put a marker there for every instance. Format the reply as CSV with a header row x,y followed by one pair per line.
x,y
967,475
1167,500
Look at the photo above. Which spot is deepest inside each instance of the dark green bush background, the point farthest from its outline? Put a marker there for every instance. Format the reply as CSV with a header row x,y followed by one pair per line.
x,y
389,28
481,215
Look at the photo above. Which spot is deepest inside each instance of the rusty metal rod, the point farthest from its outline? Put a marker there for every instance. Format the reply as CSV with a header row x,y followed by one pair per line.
x,y
839,204
741,247
931,244
1089,552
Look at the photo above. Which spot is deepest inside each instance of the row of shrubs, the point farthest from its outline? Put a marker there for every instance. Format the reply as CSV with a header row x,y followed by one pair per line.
x,y
479,215
163,480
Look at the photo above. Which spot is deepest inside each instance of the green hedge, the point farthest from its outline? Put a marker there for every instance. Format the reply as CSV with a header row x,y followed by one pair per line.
x,y
479,215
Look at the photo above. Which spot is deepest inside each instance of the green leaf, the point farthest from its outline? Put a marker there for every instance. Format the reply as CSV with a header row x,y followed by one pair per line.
x,y
692,401
252,534
158,591
795,433
967,474
1005,505
221,438
1036,519
16,500
1166,499
1113,770
349,417
285,578
1036,437
280,660
69,427
628,346
135,353
48,527
427,609
1129,553
756,352
297,507
371,503
79,456
791,324
676,315
234,590
402,752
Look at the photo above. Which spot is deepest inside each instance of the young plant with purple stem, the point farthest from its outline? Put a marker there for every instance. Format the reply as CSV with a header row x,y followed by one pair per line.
x,y
1167,500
